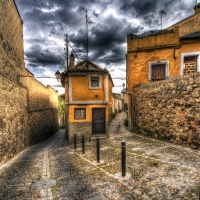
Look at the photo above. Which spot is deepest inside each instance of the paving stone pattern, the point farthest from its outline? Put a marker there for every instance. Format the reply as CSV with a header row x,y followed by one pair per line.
x,y
54,170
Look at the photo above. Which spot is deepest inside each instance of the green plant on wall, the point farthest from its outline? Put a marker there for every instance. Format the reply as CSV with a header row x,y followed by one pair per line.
x,y
61,108
125,106
126,121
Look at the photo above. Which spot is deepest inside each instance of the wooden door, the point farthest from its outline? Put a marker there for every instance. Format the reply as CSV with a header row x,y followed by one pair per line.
x,y
158,72
98,121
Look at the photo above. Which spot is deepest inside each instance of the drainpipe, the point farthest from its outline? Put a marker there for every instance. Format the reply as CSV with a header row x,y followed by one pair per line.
x,y
130,112
126,72
130,107
175,50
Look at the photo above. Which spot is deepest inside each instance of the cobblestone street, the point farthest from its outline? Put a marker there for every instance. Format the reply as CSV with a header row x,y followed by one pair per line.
x,y
54,170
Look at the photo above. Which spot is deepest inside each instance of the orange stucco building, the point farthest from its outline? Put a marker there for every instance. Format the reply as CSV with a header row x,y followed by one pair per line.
x,y
158,55
88,96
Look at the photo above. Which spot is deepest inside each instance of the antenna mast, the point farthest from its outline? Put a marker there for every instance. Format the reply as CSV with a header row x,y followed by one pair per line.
x,y
67,51
88,22
87,31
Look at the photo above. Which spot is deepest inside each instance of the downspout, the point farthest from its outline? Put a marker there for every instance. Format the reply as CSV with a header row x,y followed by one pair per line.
x,y
130,94
130,112
126,72
175,50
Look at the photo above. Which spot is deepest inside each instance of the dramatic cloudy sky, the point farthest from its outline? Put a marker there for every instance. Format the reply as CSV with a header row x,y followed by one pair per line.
x,y
46,22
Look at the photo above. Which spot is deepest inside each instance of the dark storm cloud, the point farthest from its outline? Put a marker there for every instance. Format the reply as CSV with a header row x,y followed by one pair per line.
x,y
105,39
149,11
46,22
38,55
138,8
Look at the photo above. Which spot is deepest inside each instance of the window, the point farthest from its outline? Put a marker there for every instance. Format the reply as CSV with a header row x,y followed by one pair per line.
x,y
79,113
94,81
190,63
158,70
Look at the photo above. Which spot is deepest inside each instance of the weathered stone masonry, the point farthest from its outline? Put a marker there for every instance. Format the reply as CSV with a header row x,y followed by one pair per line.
x,y
169,110
28,109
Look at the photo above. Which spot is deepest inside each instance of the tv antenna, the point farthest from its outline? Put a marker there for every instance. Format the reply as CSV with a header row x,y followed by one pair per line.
x,y
89,23
66,49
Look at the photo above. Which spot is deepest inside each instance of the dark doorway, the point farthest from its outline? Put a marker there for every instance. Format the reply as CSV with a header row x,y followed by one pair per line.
x,y
98,121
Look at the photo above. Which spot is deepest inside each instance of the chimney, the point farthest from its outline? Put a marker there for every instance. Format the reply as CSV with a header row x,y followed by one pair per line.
x,y
71,61
197,8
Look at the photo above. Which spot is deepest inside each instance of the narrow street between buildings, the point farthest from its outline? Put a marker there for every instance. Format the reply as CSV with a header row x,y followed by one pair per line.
x,y
54,170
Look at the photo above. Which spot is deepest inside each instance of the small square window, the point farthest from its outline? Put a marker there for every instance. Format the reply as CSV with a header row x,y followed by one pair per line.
x,y
157,72
94,81
79,113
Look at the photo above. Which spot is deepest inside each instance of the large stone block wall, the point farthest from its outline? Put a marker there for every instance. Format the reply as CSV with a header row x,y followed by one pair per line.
x,y
42,109
13,119
11,41
28,109
28,114
169,110
42,125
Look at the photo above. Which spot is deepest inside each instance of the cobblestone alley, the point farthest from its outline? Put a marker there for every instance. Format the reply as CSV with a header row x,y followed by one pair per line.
x,y
54,170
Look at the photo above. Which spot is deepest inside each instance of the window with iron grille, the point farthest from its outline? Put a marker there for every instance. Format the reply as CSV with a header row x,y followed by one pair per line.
x,y
157,72
79,113
190,58
94,81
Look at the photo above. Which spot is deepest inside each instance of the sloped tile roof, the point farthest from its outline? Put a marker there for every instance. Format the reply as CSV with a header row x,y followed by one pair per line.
x,y
151,33
86,66
195,35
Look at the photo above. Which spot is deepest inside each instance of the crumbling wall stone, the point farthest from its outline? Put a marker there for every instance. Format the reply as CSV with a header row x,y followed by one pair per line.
x,y
169,110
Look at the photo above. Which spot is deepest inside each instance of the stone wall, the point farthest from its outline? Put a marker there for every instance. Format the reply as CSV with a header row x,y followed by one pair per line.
x,y
169,110
83,128
28,109
42,110
13,118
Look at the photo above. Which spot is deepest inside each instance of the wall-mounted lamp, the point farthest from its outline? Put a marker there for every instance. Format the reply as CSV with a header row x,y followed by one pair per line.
x,y
58,77
123,85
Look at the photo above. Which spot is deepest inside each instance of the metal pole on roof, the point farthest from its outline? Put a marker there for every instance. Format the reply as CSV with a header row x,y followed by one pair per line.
x,y
67,51
87,31
162,12
88,23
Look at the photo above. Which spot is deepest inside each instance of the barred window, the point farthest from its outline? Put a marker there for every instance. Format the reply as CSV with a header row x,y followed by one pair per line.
x,y
94,81
79,113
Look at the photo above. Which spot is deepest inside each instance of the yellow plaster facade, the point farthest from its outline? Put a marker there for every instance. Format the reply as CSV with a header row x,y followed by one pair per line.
x,y
168,47
166,52
82,92
88,112
88,96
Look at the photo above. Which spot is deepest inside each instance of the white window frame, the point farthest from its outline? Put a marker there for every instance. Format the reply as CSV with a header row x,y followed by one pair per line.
x,y
182,65
156,63
100,83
